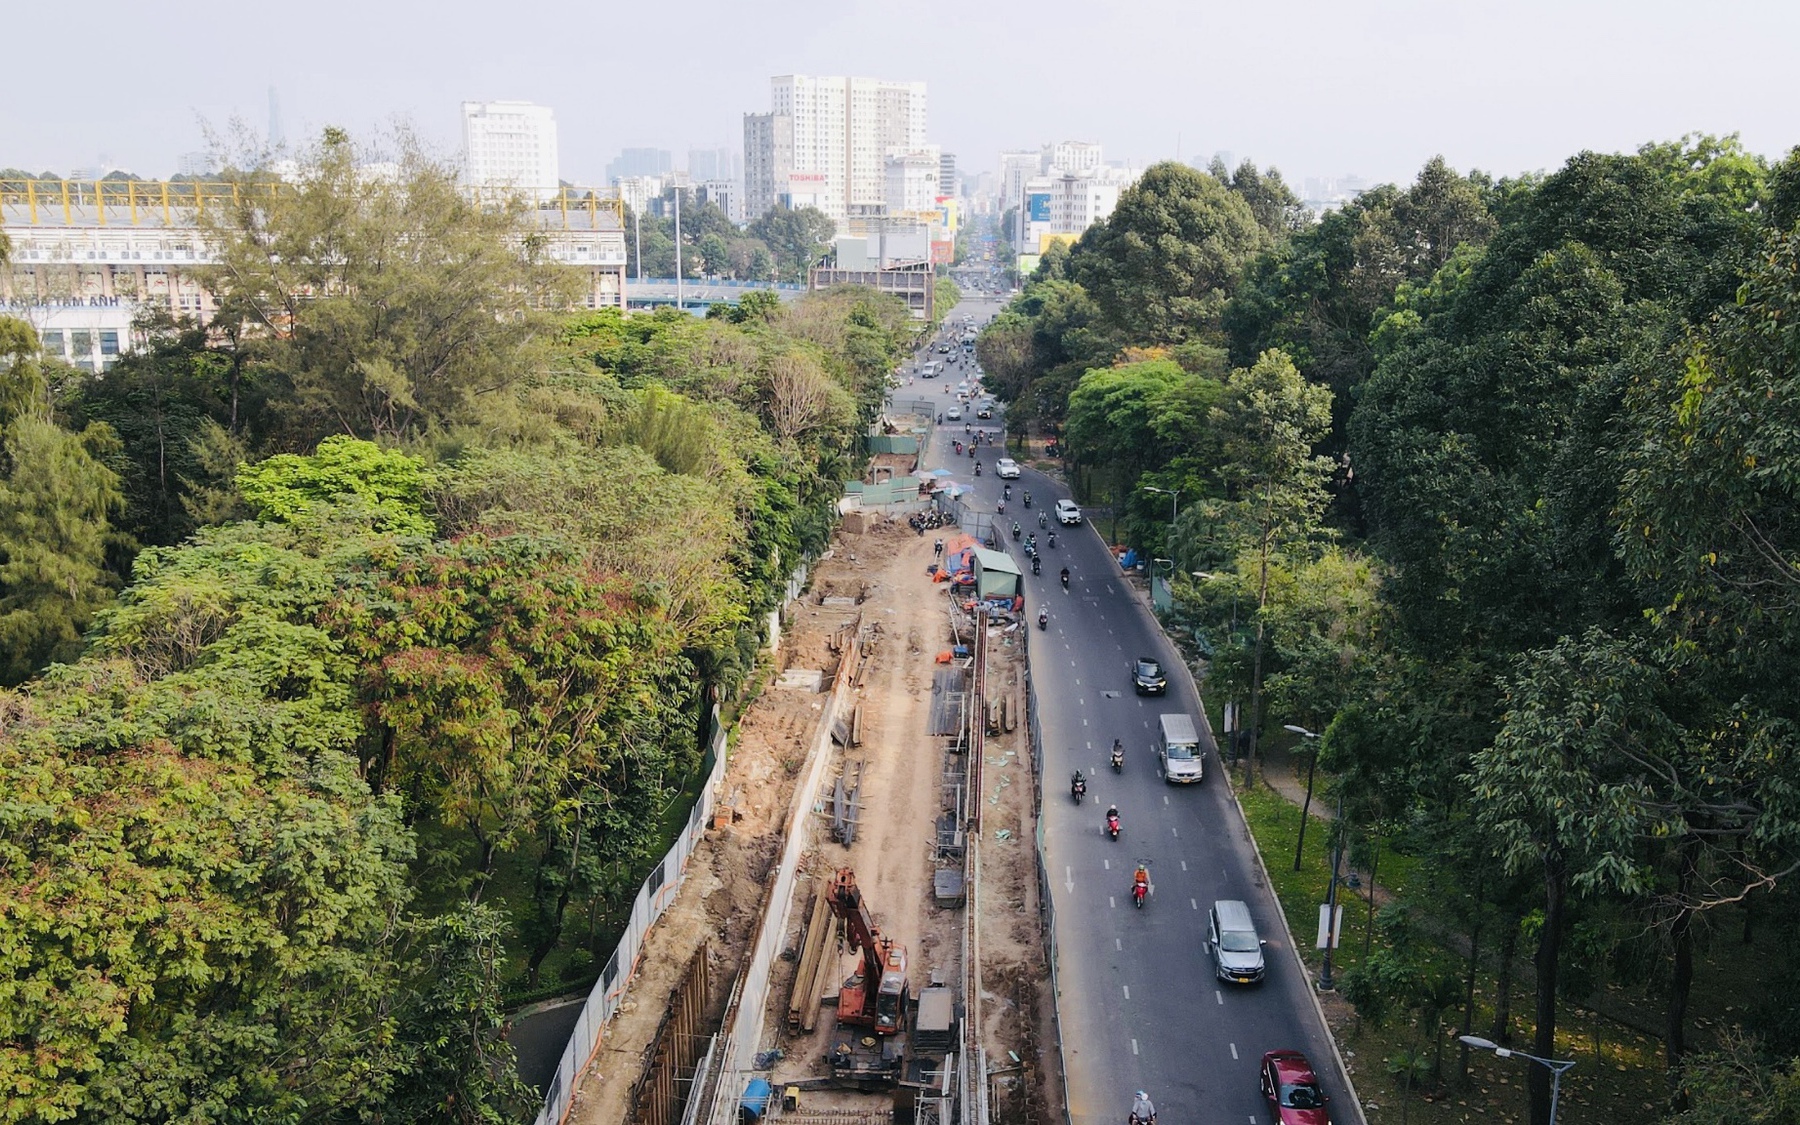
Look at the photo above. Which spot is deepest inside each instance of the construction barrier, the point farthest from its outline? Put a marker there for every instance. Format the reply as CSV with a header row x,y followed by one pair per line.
x,y
654,897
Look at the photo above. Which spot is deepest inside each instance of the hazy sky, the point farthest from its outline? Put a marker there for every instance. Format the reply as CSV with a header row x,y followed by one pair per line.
x,y
1373,87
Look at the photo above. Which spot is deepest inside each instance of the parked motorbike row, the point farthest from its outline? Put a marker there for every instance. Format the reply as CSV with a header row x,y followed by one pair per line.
x,y
931,520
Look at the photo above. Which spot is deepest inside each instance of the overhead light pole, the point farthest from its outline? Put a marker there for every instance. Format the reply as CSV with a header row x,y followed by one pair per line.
x,y
1312,760
1331,915
1556,1067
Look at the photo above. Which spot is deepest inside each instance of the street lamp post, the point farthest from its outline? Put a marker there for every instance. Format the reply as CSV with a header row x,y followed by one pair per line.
x,y
1174,495
1554,1066
1312,761
1337,855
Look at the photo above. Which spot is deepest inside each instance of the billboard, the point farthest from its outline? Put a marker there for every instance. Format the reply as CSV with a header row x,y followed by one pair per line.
x,y
1037,206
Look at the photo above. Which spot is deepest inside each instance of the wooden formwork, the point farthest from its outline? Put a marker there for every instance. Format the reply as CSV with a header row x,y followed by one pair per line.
x,y
663,1088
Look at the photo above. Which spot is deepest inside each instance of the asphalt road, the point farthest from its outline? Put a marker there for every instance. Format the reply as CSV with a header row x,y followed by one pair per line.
x,y
1138,1002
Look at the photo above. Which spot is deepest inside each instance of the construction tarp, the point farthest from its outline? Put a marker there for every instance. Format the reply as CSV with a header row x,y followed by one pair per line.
x,y
893,443
959,558
996,575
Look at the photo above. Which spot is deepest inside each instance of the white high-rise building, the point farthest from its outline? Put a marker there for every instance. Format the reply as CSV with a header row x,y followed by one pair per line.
x,y
914,181
1071,156
1016,168
837,133
510,146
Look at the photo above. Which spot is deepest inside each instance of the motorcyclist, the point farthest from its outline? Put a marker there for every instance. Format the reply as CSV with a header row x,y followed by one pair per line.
x,y
1078,786
1028,497
1002,507
1112,821
1043,520
1065,577
1037,565
1043,619
1143,1111
1140,884
1118,754
1016,529
978,468
1006,491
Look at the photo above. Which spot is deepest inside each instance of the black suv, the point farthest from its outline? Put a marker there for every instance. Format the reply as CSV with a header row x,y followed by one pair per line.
x,y
1147,677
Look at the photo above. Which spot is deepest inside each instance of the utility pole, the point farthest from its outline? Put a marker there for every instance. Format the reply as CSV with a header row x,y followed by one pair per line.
x,y
678,303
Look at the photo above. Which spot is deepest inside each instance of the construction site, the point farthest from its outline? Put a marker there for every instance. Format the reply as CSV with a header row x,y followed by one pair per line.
x,y
857,938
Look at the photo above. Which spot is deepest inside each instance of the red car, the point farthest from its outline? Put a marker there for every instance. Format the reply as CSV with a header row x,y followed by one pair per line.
x,y
1293,1090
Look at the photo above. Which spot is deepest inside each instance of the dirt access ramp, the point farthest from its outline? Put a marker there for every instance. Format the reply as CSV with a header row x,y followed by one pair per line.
x,y
721,898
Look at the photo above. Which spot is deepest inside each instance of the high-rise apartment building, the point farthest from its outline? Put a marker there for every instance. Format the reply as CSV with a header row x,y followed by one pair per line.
x,y
712,164
835,134
1071,156
913,181
949,183
511,146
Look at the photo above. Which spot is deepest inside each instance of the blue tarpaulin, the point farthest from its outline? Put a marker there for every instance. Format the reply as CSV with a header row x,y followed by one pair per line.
x,y
755,1101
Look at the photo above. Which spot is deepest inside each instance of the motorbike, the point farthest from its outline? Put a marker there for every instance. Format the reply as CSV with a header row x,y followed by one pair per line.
x,y
978,468
1065,577
1043,520
1118,757
1006,493
1112,821
1143,1112
1140,887
1028,498
1016,529
1043,619
1078,787
1037,564
1053,539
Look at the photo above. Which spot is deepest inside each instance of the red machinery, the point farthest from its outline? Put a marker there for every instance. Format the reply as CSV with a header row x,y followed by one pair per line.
x,y
875,997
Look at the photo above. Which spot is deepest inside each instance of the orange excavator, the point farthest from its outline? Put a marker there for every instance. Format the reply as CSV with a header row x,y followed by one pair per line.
x,y
876,995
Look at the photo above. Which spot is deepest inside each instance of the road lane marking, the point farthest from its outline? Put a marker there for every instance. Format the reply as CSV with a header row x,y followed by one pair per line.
x,y
1069,877
1119,945
1184,865
1165,798
1127,989
1193,904
1134,1049
1234,1050
1175,830
1220,997
1106,863
1112,902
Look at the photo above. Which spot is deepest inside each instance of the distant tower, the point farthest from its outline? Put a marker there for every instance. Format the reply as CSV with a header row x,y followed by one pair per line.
x,y
277,135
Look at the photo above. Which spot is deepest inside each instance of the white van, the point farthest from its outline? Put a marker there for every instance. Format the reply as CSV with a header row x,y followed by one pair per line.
x,y
1178,748
929,369
1231,938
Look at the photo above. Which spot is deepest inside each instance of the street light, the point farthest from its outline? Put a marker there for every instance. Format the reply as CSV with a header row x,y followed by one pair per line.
x,y
1312,760
1555,1066
1174,495
1337,856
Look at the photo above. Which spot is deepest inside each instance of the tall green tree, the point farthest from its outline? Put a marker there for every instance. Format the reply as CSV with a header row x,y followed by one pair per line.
x,y
1162,265
58,497
389,303
1268,422
795,237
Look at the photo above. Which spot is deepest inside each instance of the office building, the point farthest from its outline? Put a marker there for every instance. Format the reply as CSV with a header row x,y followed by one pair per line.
x,y
639,162
510,146
913,181
726,195
826,140
706,164
1070,156
949,182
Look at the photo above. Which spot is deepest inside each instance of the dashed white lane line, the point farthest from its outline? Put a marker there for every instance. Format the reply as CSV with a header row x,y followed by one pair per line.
x,y
1175,830
1193,904
1220,997
1134,1049
1234,1050
1127,989
1112,902
1119,945
1184,865
1107,864
1165,798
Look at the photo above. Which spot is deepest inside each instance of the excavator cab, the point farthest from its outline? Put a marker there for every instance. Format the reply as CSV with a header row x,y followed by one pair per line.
x,y
876,995
890,1002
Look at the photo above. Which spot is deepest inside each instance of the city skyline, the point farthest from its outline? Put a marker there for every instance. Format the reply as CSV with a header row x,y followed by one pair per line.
x,y
1368,89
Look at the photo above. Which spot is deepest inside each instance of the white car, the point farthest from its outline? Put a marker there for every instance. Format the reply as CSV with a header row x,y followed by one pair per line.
x,y
1068,512
954,414
1008,469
